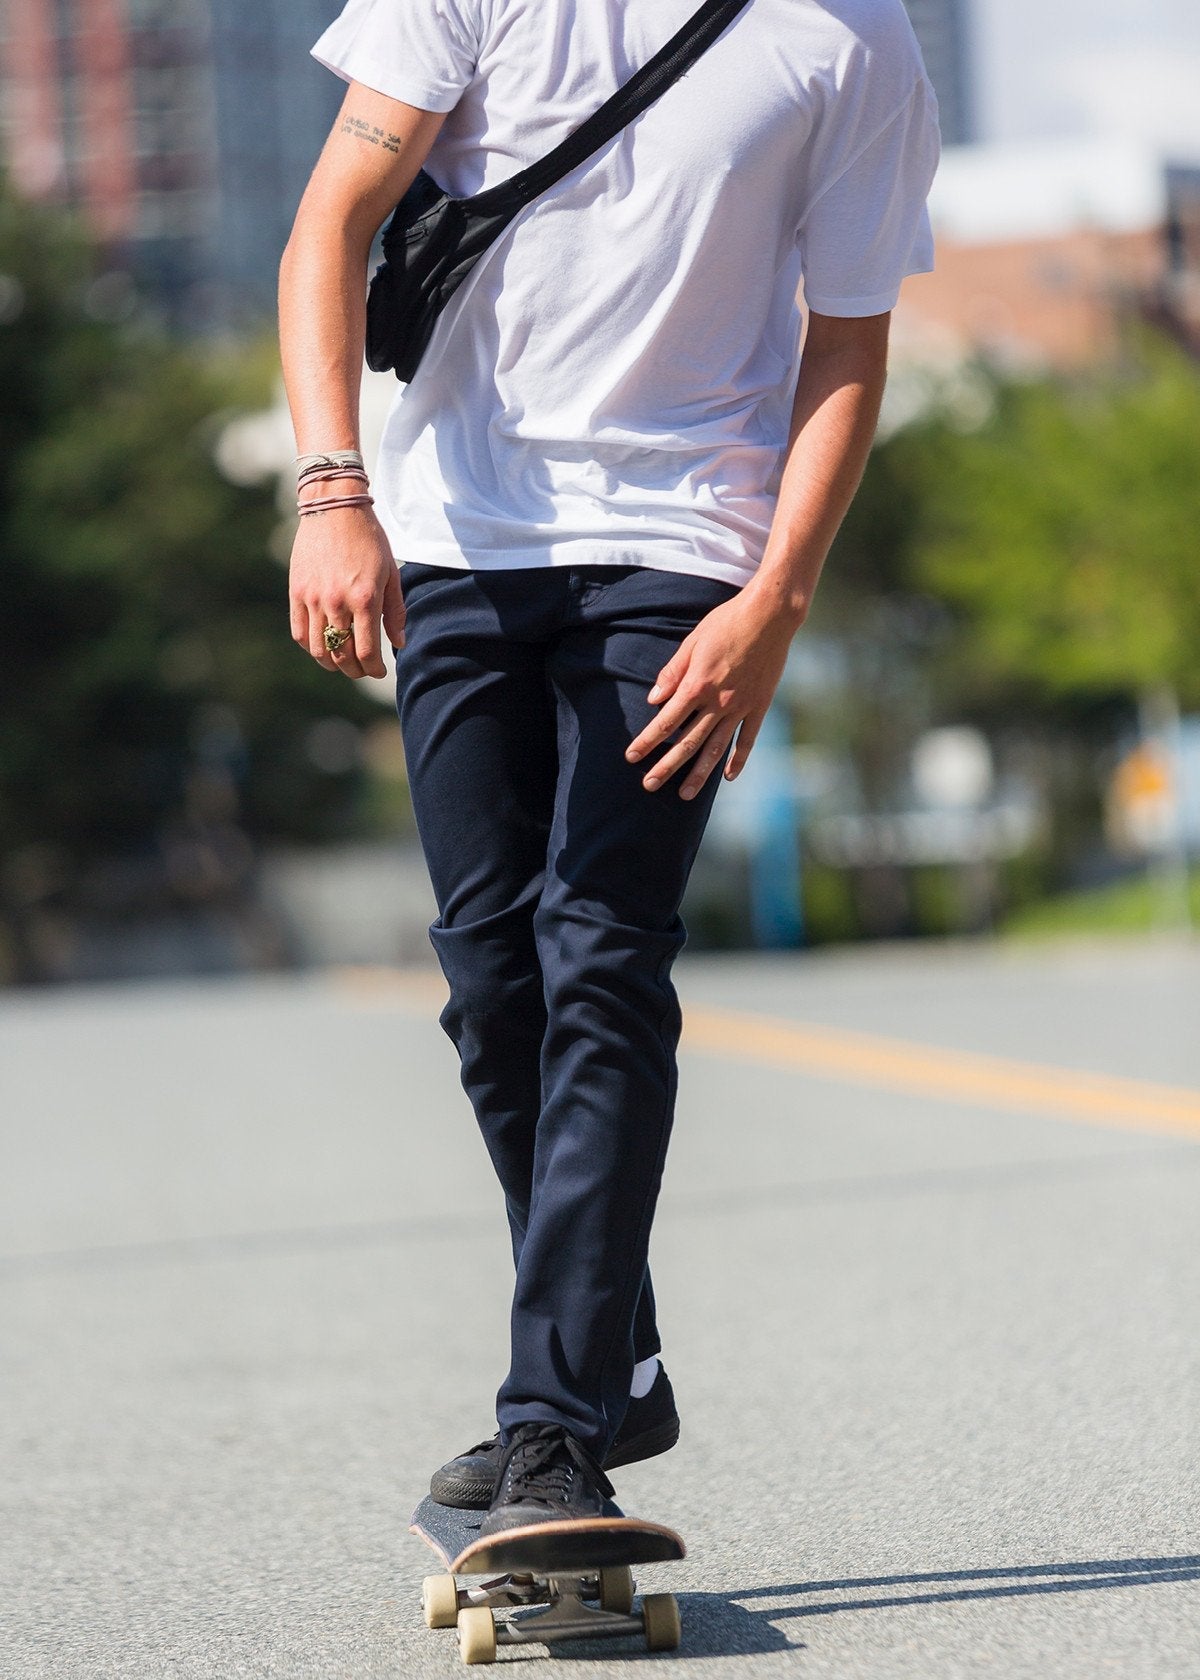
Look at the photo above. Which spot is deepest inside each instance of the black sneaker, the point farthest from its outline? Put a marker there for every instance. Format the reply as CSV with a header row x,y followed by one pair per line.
x,y
650,1426
546,1475
468,1481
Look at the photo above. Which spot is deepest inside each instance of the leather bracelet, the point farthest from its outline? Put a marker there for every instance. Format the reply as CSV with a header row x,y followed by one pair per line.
x,y
323,475
323,503
330,458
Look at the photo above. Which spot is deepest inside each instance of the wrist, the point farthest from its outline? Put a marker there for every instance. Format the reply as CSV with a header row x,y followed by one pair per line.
x,y
332,483
327,458
350,492
778,597
326,478
316,506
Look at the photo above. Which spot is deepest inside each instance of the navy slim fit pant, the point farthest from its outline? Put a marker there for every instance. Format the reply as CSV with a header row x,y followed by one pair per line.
x,y
558,880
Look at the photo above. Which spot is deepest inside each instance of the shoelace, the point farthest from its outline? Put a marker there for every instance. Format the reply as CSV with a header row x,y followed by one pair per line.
x,y
536,1469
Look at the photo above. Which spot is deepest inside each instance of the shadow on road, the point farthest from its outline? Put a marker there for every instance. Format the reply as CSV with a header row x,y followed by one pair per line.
x,y
724,1624
955,1585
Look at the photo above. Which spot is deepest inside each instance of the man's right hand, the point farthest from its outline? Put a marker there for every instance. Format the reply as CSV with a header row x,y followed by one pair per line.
x,y
342,573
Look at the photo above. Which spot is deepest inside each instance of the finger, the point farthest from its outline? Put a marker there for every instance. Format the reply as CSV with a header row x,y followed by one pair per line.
x,y
341,658
345,658
298,619
747,735
393,609
674,715
707,759
671,675
316,639
683,750
366,640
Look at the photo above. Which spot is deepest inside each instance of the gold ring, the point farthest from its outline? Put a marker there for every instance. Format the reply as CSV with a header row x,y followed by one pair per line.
x,y
335,638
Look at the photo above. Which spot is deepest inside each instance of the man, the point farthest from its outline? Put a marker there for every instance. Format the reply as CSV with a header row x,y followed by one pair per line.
x,y
612,484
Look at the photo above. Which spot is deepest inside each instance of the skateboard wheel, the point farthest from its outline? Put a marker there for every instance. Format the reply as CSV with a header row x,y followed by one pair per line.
x,y
616,1590
439,1600
660,1618
477,1634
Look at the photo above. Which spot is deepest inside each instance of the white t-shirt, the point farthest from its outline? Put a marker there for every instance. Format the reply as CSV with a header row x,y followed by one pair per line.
x,y
612,382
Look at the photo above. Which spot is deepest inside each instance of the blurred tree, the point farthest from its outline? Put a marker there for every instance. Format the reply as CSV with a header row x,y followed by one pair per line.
x,y
1064,532
886,628
1026,561
146,623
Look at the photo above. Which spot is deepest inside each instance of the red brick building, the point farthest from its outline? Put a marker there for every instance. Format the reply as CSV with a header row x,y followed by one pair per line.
x,y
1045,252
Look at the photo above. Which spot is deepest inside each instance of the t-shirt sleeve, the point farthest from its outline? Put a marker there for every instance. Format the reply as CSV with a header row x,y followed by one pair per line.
x,y
420,51
869,227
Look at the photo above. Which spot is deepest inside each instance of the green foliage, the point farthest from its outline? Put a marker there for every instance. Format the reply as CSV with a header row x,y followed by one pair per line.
x,y
146,624
830,913
1027,563
1064,532
1137,904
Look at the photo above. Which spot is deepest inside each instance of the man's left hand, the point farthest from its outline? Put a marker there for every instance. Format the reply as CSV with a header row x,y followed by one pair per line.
x,y
717,685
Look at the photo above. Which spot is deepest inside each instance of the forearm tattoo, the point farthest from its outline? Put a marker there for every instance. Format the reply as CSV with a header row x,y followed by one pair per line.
x,y
372,135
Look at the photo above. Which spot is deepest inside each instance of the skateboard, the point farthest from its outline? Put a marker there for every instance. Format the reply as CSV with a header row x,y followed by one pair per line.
x,y
556,1580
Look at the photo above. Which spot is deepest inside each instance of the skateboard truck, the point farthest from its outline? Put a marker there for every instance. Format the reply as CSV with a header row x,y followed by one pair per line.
x,y
557,1581
567,1615
567,1611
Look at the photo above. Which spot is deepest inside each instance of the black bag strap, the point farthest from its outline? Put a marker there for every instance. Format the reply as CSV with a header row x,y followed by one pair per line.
x,y
642,88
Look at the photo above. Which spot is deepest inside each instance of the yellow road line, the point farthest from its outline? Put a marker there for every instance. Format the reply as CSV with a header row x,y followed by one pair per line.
x,y
371,983
935,1071
868,1059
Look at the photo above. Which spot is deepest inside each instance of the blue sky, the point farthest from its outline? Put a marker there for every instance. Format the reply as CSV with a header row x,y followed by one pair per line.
x,y
1056,67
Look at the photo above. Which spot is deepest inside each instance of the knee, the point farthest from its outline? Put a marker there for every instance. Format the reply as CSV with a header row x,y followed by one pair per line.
x,y
491,967
592,950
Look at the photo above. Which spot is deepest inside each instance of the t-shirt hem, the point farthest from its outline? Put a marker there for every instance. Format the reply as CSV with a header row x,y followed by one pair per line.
x,y
850,308
875,303
418,94
655,559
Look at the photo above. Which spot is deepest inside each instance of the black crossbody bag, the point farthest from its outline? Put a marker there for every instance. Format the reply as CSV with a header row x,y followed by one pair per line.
x,y
432,241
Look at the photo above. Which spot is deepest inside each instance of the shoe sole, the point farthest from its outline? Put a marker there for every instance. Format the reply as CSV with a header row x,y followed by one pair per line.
x,y
648,1444
462,1495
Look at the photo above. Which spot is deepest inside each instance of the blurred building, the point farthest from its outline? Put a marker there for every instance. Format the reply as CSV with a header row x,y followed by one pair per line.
x,y
941,27
1179,305
185,131
1046,250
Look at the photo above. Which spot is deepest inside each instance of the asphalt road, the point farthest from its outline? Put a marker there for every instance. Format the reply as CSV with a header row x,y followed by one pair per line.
x,y
929,1280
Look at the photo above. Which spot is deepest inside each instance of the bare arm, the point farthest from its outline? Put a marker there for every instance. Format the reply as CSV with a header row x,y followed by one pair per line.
x,y
834,416
343,572
724,675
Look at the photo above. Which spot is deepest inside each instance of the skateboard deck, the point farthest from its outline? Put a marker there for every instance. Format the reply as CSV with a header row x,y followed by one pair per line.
x,y
558,1580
